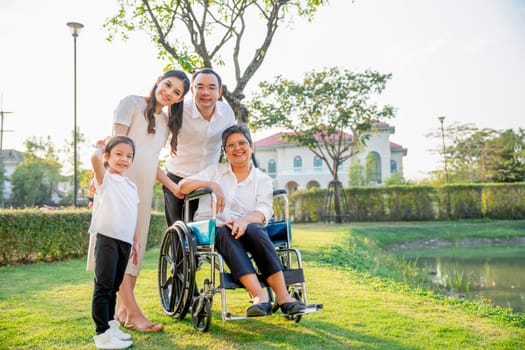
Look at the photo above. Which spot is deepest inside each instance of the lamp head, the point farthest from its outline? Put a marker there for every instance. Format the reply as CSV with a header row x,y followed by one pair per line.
x,y
75,28
441,119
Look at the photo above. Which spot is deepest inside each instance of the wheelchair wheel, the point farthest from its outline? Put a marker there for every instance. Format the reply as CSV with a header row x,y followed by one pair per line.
x,y
201,313
176,270
297,295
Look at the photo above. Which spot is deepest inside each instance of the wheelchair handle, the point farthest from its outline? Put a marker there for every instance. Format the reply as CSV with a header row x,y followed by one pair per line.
x,y
279,192
199,193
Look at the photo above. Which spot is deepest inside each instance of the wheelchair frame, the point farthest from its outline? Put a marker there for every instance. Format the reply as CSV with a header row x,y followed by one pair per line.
x,y
187,245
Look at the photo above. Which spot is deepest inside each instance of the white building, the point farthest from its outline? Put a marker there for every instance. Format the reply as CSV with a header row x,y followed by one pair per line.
x,y
294,167
11,158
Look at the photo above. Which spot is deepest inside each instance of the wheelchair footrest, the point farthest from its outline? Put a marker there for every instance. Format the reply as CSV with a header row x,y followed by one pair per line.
x,y
310,308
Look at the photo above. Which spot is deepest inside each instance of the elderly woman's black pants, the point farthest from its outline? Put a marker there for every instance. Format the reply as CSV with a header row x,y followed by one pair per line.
x,y
256,242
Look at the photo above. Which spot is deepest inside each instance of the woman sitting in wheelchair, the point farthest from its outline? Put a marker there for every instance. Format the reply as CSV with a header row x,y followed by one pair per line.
x,y
244,204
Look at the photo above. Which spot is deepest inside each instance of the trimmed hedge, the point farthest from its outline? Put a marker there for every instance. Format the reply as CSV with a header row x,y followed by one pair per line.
x,y
31,235
504,201
416,203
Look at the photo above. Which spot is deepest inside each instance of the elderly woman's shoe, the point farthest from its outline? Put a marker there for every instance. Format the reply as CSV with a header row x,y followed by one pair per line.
x,y
292,308
262,309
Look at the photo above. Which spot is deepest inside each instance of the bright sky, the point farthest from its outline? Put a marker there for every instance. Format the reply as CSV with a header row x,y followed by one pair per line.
x,y
461,59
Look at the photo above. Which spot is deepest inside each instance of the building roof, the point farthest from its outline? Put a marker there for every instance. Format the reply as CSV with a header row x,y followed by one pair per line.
x,y
12,156
278,139
271,140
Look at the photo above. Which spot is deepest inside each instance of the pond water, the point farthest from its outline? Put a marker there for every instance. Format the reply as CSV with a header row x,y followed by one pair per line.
x,y
493,273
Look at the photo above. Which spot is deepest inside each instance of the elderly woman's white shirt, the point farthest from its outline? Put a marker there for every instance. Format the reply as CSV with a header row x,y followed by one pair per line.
x,y
253,193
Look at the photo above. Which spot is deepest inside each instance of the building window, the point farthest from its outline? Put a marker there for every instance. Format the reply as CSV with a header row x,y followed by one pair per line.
x,y
373,168
297,164
272,168
393,166
318,164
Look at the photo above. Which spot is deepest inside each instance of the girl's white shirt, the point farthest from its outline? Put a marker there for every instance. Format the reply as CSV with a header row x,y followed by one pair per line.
x,y
115,208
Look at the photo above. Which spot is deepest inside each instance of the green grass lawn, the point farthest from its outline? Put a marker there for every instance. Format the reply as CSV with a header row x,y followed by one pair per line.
x,y
47,306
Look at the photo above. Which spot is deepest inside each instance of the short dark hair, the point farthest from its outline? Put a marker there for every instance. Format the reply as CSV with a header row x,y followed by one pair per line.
x,y
239,129
207,71
236,129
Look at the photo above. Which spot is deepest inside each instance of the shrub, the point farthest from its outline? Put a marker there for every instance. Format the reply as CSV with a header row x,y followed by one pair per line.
x,y
31,235
418,203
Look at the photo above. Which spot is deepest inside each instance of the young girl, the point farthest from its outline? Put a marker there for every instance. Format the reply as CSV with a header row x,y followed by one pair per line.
x,y
113,222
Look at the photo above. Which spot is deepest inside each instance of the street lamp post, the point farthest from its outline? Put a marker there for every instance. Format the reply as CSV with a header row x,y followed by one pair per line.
x,y
441,120
75,30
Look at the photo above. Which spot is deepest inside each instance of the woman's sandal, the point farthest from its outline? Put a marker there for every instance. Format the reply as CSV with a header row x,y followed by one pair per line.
x,y
120,321
153,328
292,308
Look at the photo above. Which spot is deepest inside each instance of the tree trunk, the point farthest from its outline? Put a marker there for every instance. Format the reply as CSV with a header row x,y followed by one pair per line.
x,y
240,110
337,202
335,207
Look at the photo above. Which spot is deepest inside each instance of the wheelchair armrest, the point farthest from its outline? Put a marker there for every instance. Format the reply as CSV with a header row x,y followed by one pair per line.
x,y
198,193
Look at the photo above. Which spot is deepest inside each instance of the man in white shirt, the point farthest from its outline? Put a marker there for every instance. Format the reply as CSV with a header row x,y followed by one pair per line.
x,y
199,139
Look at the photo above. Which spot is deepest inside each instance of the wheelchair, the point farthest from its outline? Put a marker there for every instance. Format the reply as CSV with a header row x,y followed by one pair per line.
x,y
189,246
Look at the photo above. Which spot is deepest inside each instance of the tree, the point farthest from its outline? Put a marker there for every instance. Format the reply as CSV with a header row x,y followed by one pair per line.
x,y
506,156
67,153
36,179
395,179
468,153
465,152
2,181
329,112
199,33
356,174
485,155
84,182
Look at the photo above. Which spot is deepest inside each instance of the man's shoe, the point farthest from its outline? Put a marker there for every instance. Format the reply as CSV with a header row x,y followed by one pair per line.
x,y
262,309
107,340
114,326
292,308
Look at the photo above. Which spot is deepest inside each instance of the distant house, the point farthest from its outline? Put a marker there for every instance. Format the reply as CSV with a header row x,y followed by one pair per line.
x,y
11,159
293,167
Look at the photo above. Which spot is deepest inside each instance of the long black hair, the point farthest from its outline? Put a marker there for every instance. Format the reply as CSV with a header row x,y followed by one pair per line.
x,y
174,112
